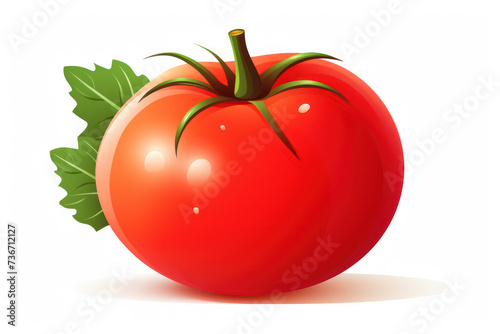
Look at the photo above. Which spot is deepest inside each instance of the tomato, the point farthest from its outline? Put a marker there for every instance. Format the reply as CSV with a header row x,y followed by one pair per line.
x,y
255,193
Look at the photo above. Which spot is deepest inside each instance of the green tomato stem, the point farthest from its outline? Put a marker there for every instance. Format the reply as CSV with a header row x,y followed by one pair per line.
x,y
248,84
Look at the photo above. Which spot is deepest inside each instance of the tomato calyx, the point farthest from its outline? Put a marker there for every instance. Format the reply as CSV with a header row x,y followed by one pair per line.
x,y
246,85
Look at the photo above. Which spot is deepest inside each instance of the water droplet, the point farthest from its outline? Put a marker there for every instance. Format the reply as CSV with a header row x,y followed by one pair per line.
x,y
223,127
154,161
199,172
304,108
196,210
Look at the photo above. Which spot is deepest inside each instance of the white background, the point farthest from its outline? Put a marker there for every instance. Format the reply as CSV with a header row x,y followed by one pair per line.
x,y
425,61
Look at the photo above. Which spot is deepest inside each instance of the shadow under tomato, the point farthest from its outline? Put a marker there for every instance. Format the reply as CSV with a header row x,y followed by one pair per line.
x,y
345,288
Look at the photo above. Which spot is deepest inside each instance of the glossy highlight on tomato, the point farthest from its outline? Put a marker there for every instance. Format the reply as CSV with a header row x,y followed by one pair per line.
x,y
255,193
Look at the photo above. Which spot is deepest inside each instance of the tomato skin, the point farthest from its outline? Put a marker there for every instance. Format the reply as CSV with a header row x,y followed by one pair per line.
x,y
267,221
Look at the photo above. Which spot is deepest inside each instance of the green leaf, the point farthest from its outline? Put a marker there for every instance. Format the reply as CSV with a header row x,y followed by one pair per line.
x,y
262,108
179,82
304,84
230,77
209,76
271,75
76,167
99,94
197,109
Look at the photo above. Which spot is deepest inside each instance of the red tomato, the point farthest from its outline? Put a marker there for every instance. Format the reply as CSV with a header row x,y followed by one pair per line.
x,y
237,210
